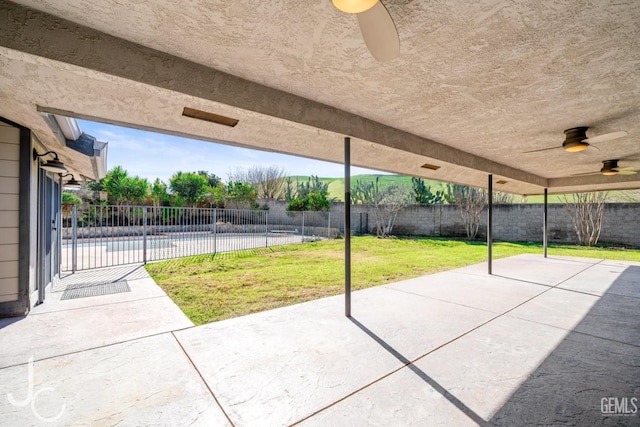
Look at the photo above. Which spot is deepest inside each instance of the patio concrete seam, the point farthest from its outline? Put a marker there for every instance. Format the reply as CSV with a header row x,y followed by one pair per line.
x,y
413,361
96,347
440,300
574,331
464,273
353,393
576,274
406,365
599,295
202,378
98,305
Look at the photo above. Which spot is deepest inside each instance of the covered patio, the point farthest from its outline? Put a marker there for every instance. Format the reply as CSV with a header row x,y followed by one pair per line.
x,y
483,93
542,341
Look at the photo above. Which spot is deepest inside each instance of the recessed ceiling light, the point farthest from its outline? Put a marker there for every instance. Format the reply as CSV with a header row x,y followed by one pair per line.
x,y
501,182
432,167
209,117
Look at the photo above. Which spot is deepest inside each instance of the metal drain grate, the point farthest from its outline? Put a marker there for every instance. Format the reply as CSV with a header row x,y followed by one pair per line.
x,y
95,289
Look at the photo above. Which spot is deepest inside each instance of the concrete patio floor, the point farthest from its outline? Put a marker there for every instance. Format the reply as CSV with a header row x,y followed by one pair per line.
x,y
542,341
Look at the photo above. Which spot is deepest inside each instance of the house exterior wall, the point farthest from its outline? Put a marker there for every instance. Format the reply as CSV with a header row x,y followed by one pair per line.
x,y
9,212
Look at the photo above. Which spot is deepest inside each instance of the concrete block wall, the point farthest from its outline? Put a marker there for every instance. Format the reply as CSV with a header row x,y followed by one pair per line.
x,y
513,222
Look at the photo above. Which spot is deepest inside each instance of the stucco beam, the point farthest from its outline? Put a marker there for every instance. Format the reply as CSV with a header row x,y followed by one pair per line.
x,y
593,183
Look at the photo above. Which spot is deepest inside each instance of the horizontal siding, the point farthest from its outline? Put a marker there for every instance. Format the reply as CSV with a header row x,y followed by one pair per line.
x,y
9,219
10,297
8,269
9,202
10,168
8,253
9,216
10,285
9,151
9,185
9,236
9,134
9,288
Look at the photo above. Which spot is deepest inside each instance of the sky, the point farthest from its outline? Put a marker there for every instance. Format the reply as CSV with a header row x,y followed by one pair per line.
x,y
154,155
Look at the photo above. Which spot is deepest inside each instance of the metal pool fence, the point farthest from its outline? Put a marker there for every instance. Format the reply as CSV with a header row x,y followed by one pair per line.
x,y
95,236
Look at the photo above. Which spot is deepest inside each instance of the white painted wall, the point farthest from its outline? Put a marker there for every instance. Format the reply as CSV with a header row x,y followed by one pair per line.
x,y
9,207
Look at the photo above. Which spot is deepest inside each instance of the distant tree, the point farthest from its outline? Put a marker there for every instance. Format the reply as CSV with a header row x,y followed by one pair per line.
x,y
159,193
122,188
68,200
114,184
136,190
423,194
389,201
289,189
631,196
213,197
501,198
240,193
366,192
188,186
268,181
470,202
212,179
587,215
311,195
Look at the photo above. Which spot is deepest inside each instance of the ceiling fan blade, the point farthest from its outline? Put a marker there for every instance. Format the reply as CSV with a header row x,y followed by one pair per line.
x,y
542,149
606,137
379,33
626,168
586,173
627,172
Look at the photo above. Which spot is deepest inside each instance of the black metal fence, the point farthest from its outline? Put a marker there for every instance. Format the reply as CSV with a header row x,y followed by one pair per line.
x,y
95,236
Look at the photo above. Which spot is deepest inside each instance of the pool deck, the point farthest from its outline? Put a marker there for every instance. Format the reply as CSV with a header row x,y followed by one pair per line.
x,y
541,341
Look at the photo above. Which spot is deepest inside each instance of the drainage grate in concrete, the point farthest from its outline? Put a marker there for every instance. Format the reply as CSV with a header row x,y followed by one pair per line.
x,y
95,289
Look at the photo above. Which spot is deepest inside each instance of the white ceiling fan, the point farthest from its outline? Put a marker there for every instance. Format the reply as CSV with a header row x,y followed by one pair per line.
x,y
376,25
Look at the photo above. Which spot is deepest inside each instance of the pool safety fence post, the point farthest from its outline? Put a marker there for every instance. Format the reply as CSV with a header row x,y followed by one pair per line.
x,y
144,235
74,239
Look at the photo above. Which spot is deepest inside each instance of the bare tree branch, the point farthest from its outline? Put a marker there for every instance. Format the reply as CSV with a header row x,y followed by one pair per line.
x,y
268,181
587,214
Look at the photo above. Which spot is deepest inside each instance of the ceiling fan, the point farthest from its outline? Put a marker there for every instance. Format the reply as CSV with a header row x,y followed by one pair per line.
x,y
576,140
376,25
610,168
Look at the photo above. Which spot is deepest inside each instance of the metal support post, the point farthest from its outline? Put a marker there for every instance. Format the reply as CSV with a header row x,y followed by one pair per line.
x,y
347,226
490,225
545,225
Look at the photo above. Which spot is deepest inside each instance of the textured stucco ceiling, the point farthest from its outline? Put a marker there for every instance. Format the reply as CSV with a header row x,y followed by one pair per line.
x,y
476,84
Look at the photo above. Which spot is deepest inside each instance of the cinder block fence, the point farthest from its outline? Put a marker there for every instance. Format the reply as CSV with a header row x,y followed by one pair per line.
x,y
512,222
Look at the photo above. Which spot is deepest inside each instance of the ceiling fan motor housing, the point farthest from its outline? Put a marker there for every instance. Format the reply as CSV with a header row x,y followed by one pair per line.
x,y
609,167
574,139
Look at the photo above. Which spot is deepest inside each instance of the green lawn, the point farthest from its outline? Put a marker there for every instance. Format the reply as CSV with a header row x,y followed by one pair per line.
x,y
209,288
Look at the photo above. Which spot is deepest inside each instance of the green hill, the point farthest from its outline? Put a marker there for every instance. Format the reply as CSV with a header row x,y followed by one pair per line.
x,y
336,185
336,188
